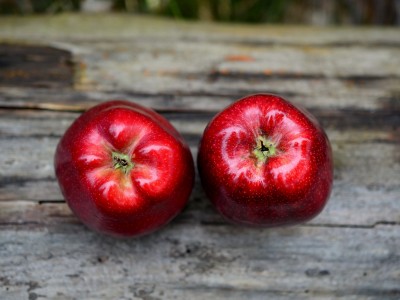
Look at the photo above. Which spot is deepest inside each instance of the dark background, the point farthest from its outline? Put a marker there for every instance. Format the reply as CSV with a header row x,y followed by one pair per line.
x,y
315,12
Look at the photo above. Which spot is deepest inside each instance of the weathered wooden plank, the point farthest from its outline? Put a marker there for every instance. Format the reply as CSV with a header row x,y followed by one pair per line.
x,y
367,165
118,27
194,262
124,65
196,74
349,78
376,124
157,69
349,205
201,94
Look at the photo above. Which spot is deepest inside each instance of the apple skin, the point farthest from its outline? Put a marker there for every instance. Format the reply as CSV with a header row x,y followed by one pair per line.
x,y
265,162
123,169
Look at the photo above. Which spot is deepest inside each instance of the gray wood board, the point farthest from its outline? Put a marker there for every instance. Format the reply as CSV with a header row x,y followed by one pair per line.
x,y
349,78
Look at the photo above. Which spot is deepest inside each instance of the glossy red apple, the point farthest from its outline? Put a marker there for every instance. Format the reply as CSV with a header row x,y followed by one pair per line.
x,y
123,169
264,161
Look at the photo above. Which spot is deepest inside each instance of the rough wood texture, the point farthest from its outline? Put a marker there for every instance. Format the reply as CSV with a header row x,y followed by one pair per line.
x,y
35,66
349,78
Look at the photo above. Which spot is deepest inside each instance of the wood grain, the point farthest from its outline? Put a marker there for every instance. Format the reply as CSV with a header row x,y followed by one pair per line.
x,y
349,78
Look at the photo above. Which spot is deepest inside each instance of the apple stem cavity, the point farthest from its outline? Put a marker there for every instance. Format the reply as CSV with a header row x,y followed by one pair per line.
x,y
264,149
122,162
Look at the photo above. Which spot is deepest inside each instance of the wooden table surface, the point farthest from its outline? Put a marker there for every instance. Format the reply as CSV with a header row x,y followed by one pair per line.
x,y
54,67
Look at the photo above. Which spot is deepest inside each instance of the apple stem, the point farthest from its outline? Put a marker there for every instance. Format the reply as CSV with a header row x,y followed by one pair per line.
x,y
264,149
122,162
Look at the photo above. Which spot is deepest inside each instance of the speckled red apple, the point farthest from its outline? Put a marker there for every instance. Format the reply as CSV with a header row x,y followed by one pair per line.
x,y
265,162
123,169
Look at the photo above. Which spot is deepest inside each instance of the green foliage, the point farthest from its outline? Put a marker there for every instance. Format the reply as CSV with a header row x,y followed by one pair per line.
x,y
182,9
252,11
140,6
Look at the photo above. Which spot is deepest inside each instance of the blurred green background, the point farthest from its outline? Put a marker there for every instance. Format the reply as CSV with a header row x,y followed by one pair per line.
x,y
323,12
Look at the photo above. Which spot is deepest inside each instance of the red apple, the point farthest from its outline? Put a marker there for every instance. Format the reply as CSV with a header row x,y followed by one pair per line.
x,y
123,169
264,161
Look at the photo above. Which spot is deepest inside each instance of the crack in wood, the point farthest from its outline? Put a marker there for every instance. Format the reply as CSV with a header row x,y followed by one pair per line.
x,y
234,75
249,42
385,118
337,292
371,226
321,225
277,43
55,204
21,181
